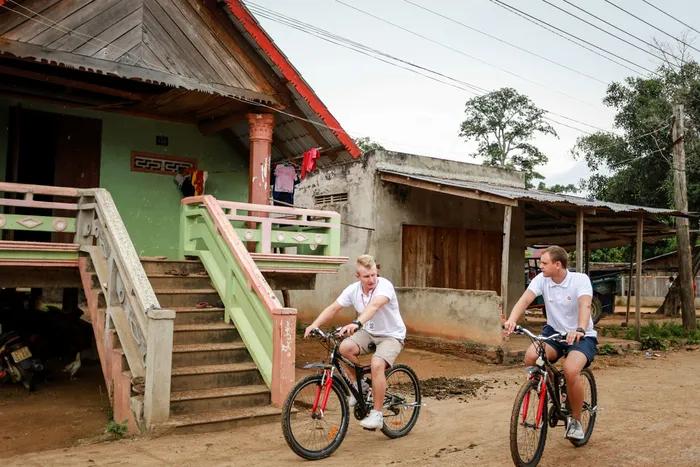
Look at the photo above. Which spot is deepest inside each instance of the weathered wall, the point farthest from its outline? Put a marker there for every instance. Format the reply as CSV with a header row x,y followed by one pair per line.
x,y
453,314
385,207
150,203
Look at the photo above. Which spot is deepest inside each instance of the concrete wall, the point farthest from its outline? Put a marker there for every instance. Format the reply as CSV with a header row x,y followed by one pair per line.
x,y
150,203
454,314
385,207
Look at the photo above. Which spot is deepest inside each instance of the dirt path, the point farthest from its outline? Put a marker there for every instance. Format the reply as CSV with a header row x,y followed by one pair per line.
x,y
650,417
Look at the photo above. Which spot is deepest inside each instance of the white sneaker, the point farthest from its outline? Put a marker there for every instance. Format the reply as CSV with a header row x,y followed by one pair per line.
x,y
374,420
574,430
365,387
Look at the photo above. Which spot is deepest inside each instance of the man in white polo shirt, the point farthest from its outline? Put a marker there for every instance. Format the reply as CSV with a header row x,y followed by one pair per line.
x,y
567,298
379,322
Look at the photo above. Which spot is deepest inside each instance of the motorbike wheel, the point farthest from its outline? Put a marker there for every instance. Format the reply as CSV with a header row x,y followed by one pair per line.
x,y
596,310
26,377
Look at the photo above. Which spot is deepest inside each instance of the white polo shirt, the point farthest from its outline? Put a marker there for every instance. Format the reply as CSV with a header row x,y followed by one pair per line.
x,y
561,300
387,321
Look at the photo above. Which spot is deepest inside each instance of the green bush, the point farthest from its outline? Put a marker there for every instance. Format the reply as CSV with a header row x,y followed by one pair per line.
x,y
606,349
653,343
117,429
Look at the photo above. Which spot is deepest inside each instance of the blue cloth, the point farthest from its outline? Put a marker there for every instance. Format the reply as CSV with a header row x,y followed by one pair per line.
x,y
586,345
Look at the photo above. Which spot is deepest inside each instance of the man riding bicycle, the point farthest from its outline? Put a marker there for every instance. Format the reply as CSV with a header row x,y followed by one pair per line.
x,y
567,299
379,323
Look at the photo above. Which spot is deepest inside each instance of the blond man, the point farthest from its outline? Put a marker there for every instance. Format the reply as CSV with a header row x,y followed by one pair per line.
x,y
378,322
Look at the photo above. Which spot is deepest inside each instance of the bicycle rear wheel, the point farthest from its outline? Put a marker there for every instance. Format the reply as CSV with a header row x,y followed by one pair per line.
x,y
527,438
401,401
590,406
311,434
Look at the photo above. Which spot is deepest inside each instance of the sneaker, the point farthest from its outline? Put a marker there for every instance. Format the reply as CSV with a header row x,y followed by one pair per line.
x,y
365,387
374,420
574,430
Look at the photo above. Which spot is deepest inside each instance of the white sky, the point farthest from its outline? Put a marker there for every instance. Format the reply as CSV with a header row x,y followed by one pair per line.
x,y
410,113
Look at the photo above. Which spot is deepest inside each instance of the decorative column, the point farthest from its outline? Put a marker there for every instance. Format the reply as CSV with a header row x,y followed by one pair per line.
x,y
260,131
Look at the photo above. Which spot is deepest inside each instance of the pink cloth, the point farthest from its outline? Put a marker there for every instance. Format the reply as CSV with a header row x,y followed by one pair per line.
x,y
309,163
285,176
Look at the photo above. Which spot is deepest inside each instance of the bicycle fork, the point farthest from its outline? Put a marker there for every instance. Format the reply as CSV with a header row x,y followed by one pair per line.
x,y
326,383
540,405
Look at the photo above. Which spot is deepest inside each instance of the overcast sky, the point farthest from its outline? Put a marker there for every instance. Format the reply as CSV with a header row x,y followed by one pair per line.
x,y
410,113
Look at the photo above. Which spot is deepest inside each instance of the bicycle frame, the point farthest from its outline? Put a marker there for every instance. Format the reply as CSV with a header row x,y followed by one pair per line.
x,y
335,362
542,370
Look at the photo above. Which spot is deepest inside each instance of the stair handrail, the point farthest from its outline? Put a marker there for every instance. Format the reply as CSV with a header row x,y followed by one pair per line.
x,y
272,346
129,294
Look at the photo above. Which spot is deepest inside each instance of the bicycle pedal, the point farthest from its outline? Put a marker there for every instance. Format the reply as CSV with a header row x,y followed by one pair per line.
x,y
369,429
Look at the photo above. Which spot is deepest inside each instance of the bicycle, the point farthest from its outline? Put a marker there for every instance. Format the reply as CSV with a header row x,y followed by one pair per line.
x,y
314,423
551,407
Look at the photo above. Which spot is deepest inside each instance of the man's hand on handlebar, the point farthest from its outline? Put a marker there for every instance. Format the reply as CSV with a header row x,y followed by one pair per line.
x,y
574,336
308,331
509,327
348,329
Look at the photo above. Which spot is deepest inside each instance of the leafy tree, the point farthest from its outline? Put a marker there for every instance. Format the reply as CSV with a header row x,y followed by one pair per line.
x,y
504,123
557,188
367,144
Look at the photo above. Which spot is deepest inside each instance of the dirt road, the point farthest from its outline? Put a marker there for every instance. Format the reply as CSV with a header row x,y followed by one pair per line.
x,y
650,417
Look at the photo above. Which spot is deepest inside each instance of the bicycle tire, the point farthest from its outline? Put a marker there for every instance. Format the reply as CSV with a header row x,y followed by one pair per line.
x,y
515,420
593,403
289,437
416,411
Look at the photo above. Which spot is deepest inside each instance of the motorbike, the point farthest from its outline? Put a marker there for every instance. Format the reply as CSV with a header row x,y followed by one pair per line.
x,y
17,364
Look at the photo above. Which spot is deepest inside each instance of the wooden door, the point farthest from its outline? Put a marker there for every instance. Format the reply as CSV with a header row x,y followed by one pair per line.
x,y
445,257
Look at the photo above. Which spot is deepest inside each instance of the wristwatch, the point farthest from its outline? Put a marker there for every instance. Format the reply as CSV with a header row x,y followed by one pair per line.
x,y
359,324
581,330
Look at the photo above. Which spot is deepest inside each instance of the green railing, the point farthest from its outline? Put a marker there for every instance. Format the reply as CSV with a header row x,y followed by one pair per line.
x,y
266,328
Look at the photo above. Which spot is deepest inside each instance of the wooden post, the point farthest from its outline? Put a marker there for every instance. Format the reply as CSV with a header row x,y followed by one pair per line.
x,y
579,241
260,133
588,252
638,281
505,256
685,253
629,286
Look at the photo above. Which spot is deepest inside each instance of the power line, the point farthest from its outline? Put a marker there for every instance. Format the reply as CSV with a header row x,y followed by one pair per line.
x,y
670,16
461,52
651,25
554,62
608,32
301,26
513,9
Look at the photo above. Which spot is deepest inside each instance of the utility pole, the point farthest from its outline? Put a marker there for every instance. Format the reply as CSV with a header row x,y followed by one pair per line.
x,y
685,253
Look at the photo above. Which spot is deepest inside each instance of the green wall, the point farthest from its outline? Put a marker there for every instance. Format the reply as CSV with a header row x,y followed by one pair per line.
x,y
150,203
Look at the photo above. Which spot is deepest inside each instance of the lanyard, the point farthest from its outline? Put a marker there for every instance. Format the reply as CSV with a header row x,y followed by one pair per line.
x,y
371,293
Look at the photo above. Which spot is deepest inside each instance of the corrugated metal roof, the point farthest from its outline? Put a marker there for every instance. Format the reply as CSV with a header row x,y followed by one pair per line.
x,y
524,194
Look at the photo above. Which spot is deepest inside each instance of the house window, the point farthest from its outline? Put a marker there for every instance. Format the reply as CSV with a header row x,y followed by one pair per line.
x,y
331,198
157,164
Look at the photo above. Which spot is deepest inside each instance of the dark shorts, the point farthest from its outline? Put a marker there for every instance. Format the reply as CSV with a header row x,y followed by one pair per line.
x,y
586,346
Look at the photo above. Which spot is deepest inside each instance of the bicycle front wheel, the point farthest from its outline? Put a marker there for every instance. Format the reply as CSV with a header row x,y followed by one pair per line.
x,y
527,437
313,434
590,406
401,401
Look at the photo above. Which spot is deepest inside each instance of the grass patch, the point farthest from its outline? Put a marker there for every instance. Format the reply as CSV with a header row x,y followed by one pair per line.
x,y
607,349
661,337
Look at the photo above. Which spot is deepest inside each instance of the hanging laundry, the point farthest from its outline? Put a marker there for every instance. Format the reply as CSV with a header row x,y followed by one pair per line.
x,y
192,182
285,176
309,163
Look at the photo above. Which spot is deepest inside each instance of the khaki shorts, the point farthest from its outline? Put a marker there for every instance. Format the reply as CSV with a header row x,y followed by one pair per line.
x,y
388,348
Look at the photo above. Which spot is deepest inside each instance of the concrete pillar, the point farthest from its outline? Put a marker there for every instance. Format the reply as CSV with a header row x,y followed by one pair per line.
x,y
260,134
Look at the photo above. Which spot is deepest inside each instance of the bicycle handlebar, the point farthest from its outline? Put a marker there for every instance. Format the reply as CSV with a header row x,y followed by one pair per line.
x,y
522,330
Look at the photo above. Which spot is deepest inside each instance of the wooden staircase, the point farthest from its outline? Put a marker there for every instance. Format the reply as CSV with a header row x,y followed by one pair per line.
x,y
215,384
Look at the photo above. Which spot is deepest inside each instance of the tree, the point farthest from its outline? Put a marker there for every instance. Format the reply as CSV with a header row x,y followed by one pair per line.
x,y
504,123
557,188
635,167
367,144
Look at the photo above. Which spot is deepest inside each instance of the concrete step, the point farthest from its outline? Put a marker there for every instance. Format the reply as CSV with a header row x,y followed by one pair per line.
x,y
169,298
191,315
204,333
210,400
222,420
162,266
188,281
210,354
189,378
